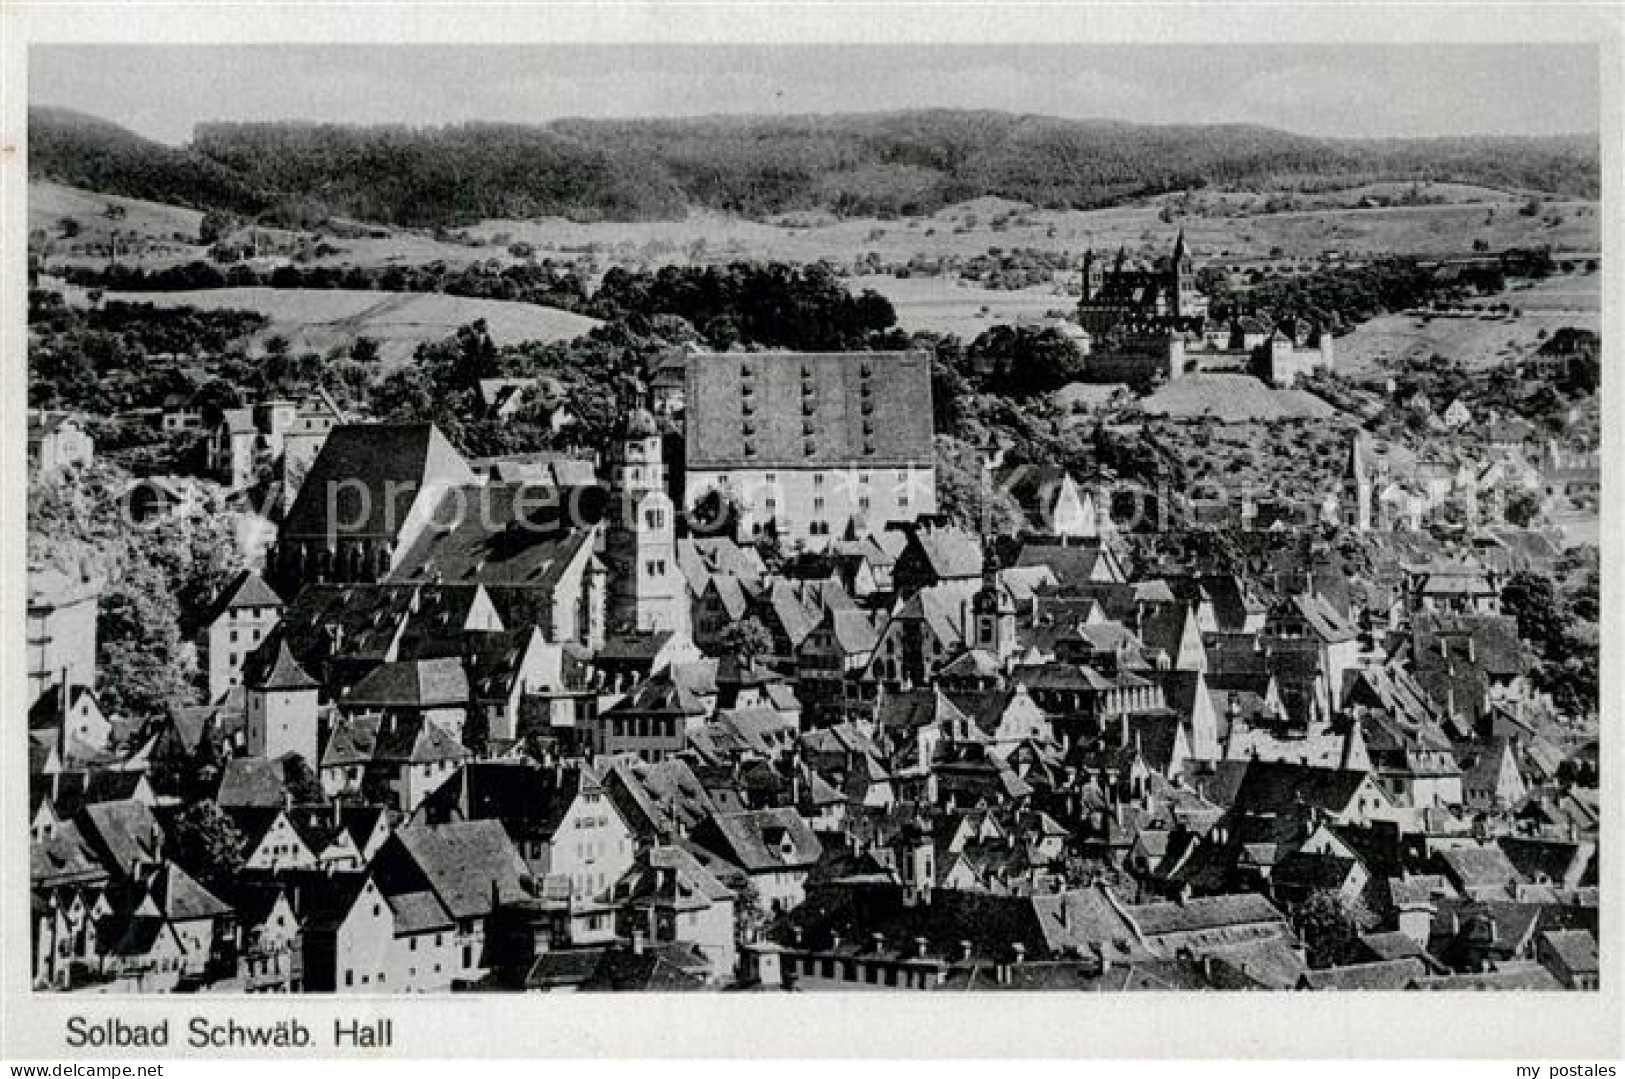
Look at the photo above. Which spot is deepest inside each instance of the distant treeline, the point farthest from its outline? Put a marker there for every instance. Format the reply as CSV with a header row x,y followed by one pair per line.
x,y
1339,298
542,282
882,164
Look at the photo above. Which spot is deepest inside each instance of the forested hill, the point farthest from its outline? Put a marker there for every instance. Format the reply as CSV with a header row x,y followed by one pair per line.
x,y
87,152
907,162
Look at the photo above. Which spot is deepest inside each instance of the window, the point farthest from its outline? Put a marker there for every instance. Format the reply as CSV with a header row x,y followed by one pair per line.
x,y
818,479
349,977
818,504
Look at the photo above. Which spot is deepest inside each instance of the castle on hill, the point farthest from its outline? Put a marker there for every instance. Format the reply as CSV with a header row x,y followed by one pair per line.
x,y
1151,324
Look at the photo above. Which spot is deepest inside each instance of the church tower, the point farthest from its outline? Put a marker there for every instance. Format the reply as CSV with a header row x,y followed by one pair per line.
x,y
992,610
1094,275
647,591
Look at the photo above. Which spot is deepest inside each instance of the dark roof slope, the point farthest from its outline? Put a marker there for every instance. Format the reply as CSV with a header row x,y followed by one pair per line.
x,y
809,410
366,478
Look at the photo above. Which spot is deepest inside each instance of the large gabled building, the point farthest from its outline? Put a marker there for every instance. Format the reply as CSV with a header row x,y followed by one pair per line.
x,y
812,446
371,492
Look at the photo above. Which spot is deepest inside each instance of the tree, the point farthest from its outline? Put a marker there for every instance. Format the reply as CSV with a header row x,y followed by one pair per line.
x,y
1522,508
1533,601
216,226
1330,925
747,639
364,350
751,915
1025,362
207,844
69,228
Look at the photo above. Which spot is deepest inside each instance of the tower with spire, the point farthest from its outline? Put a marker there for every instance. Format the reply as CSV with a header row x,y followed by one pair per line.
x,y
647,591
993,612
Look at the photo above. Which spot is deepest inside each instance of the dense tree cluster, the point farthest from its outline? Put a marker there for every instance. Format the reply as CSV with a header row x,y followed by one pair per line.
x,y
1339,297
161,579
543,282
1024,362
1561,625
772,304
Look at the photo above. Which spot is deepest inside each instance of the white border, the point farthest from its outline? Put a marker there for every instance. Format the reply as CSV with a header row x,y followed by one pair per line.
x,y
1569,1027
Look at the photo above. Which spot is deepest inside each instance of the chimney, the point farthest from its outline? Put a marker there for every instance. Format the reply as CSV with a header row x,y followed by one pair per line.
x,y
878,942
835,942
1018,953
921,945
964,953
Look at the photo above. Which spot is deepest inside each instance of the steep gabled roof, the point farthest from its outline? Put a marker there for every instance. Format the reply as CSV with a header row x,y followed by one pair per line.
x,y
179,898
366,478
764,840
272,666
509,535
247,589
468,864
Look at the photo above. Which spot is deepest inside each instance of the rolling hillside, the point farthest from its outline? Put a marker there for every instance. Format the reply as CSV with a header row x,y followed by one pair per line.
x,y
398,321
906,163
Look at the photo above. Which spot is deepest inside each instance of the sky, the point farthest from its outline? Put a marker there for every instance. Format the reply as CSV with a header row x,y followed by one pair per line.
x,y
161,91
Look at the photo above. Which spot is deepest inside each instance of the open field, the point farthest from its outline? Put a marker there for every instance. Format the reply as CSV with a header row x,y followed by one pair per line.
x,y
951,305
399,321
1231,399
173,227
968,229
943,303
155,235
1476,340
962,230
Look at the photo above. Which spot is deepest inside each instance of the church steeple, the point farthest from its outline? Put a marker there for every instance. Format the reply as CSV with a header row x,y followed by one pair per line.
x,y
993,611
646,588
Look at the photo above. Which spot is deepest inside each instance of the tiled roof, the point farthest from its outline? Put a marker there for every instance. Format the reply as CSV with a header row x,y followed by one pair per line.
x,y
367,477
807,410
248,782
1386,976
124,834
1277,786
1204,913
247,589
180,898
765,840
272,666
1072,563
424,683
466,863
1575,947
508,534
